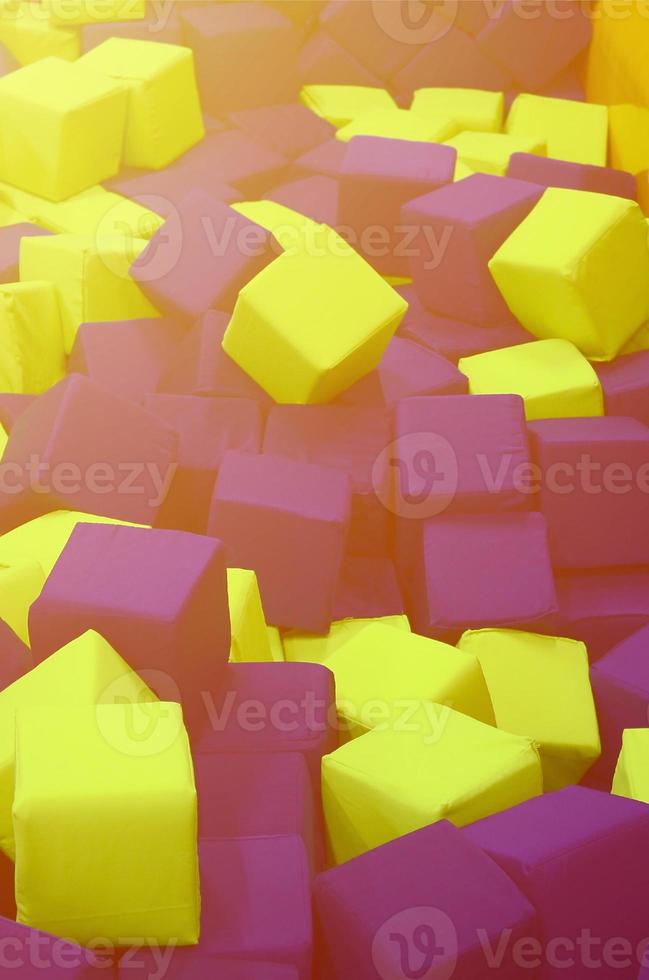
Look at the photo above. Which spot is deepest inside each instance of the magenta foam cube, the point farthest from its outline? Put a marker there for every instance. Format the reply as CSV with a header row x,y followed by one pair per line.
x,y
325,160
462,226
158,597
477,571
594,489
288,521
581,858
128,357
345,438
362,31
625,383
180,966
549,172
78,446
29,953
207,428
315,196
378,177
201,257
10,238
367,588
384,913
12,405
163,190
15,656
323,61
289,129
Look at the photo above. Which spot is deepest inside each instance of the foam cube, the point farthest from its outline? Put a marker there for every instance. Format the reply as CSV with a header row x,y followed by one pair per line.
x,y
490,152
310,648
324,62
539,686
250,640
378,177
481,570
11,406
316,197
576,176
475,109
362,32
352,314
380,669
20,585
552,377
576,268
630,777
15,658
164,116
73,769
346,438
167,617
91,278
462,225
290,129
207,428
164,27
10,237
86,671
625,385
62,959
628,136
326,159
363,905
580,858
87,443
33,358
575,131
367,587
441,764
80,12
397,124
80,119
593,489
291,230
201,257
219,968
30,34
288,521
340,104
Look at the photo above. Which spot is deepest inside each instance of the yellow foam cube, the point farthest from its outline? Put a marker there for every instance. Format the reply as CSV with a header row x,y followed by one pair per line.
x,y
8,216
86,671
77,12
164,115
616,70
309,325
577,267
540,686
339,104
381,669
489,153
311,648
628,137
551,376
30,33
20,585
3,440
639,341
471,108
571,130
276,644
32,357
439,764
79,118
91,276
290,228
250,640
399,124
120,803
632,771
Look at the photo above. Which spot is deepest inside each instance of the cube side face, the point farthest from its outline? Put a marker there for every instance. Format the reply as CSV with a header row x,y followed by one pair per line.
x,y
31,146
92,137
573,131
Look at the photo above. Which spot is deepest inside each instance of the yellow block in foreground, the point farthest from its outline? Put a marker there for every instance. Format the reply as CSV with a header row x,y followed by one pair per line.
x,y
632,772
32,357
471,108
339,104
571,130
250,637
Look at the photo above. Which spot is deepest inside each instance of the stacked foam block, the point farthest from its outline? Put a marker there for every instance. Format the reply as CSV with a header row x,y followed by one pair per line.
x,y
324,489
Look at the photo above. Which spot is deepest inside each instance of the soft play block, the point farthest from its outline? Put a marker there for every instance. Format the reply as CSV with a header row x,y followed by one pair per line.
x,y
539,686
491,152
291,230
397,124
73,769
577,267
460,228
10,237
367,587
628,137
127,357
91,276
352,314
324,62
380,669
159,597
552,377
349,438
340,104
11,406
548,172
630,777
290,129
360,30
88,442
287,520
593,489
202,256
15,658
362,907
250,641
310,648
581,859
77,12
20,584
378,177
181,965
325,159
316,197
435,764
161,25
30,34
625,383
621,687
537,47
479,570
31,952
32,358
575,131
475,109
227,40
207,428
80,119
86,671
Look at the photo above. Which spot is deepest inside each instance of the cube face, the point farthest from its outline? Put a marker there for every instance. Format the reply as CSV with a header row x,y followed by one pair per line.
x,y
339,104
61,751
34,359
81,138
250,641
490,152
625,386
474,109
630,777
397,124
576,176
575,131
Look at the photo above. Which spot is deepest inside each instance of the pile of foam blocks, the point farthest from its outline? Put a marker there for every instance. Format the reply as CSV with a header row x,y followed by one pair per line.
x,y
324,489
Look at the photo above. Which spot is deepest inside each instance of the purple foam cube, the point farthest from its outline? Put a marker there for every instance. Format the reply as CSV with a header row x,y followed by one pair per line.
x,y
10,238
315,196
290,129
431,897
367,588
594,489
201,257
462,226
29,953
625,383
207,428
288,521
477,571
582,860
548,172
12,405
180,966
346,438
325,159
323,61
15,656
129,356
358,29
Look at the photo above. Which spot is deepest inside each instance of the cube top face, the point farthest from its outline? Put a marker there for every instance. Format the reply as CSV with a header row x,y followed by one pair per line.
x,y
471,108
491,151
339,104
397,124
575,131
134,60
374,156
475,199
56,84
589,431
625,664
